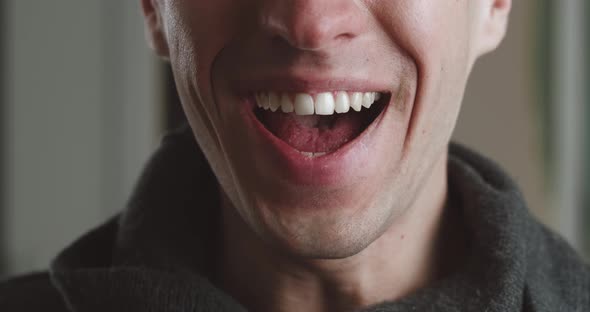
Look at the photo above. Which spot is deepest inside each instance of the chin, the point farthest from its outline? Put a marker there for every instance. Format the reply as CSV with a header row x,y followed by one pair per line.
x,y
319,227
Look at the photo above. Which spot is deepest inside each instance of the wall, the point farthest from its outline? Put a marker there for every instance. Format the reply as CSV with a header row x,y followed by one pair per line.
x,y
525,108
2,129
80,120
501,116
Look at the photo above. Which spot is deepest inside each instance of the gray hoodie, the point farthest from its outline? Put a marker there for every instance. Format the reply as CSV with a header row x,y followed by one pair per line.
x,y
156,255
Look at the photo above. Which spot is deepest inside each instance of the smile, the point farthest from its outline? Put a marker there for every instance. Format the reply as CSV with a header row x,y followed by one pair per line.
x,y
314,131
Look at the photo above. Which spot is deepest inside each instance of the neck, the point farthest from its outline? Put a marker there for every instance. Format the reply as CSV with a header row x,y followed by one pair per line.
x,y
404,259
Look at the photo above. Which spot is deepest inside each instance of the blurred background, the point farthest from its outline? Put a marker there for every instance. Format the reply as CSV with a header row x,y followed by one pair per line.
x,y
83,103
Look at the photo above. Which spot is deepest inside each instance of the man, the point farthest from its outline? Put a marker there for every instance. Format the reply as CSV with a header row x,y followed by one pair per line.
x,y
323,179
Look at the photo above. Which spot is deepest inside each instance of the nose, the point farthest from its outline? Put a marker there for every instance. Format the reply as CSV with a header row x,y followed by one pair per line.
x,y
313,24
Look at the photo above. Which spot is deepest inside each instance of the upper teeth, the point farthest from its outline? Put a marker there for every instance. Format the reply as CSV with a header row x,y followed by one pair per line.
x,y
326,103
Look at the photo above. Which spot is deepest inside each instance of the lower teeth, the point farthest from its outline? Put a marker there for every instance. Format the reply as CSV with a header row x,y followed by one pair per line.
x,y
311,155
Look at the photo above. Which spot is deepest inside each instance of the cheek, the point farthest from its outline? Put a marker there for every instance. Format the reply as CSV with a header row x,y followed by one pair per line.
x,y
197,32
436,36
433,33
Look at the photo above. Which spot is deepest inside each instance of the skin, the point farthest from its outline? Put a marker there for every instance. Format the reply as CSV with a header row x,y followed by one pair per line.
x,y
378,232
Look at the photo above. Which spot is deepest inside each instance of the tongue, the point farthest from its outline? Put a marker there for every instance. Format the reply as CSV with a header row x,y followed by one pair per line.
x,y
316,134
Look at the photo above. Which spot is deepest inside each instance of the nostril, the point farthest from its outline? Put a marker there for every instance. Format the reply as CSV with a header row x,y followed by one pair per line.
x,y
277,40
304,35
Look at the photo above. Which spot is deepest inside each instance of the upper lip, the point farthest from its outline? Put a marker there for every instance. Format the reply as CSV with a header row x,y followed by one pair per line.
x,y
307,84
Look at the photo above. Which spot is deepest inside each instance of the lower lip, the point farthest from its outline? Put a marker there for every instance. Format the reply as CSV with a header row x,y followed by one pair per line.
x,y
299,169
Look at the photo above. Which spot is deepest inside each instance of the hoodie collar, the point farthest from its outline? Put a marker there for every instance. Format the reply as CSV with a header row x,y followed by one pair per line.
x,y
156,255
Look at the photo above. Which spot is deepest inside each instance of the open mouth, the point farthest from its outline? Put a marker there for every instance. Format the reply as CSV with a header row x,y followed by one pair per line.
x,y
318,124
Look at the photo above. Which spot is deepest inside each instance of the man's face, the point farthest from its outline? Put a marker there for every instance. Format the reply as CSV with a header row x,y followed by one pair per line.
x,y
322,185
